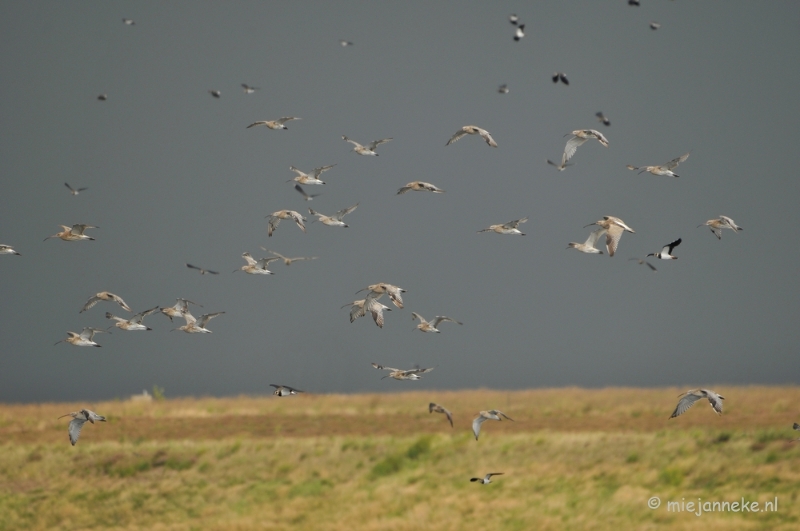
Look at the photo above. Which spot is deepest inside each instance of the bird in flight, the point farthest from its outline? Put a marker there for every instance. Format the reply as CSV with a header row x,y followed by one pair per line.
x,y
506,228
248,89
202,271
309,178
602,118
74,191
285,390
7,249
440,409
560,76
181,307
377,290
359,309
74,233
472,130
334,220
194,326
369,149
274,124
716,225
666,169
135,322
644,262
288,261
105,296
693,395
256,267
487,478
276,217
580,136
614,227
306,196
79,418
519,32
588,245
426,326
399,374
215,93
503,89
420,186
483,416
84,339
666,251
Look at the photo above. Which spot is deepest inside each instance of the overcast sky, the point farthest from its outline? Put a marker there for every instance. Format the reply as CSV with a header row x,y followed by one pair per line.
x,y
175,176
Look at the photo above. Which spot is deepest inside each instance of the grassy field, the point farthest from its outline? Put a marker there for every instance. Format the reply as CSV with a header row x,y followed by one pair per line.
x,y
572,459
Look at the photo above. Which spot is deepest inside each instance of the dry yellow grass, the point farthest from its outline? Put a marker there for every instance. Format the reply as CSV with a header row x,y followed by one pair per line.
x,y
573,459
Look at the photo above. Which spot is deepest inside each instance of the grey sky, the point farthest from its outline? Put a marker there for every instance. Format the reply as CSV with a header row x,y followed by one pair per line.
x,y
174,176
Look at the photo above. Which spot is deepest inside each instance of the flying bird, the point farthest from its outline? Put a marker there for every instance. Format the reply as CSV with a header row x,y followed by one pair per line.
x,y
285,390
506,228
666,251
560,76
654,25
135,322
194,326
369,149
74,233
215,93
514,19
276,217
345,43
426,326
644,262
306,196
614,227
399,374
79,418
309,178
128,22
472,130
288,261
105,296
84,339
796,426
562,166
666,169
439,409
588,245
633,3
334,220
180,309
724,222
503,89
7,249
359,309
377,290
202,271
602,118
102,97
73,191
579,137
492,414
420,186
487,478
519,32
692,396
256,267
274,124
248,89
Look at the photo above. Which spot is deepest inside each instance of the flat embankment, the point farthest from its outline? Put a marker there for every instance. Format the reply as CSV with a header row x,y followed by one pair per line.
x,y
572,459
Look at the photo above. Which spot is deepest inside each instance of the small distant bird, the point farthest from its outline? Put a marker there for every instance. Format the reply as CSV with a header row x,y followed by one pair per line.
x,y
562,166
399,374
288,261
796,426
520,32
256,267
492,414
560,76
654,25
377,290
644,262
579,137
506,228
614,227
102,97
666,169
7,249
345,43
420,186
309,178
602,118
306,196
248,89
274,124
716,225
666,251
693,395
74,233
215,93
369,149
105,296
503,89
195,326
202,271
128,22
181,307
359,309
633,2
426,326
79,418
276,217
285,390
513,19
73,191
334,220
487,478
472,130
588,246
135,322
439,409
84,339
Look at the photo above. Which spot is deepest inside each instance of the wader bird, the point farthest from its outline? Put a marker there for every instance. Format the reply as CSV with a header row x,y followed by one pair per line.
x,y
560,76
7,249
487,478
180,309
506,228
79,418
580,136
74,191
248,89
492,414
309,178
307,197
276,217
215,93
666,169
588,245
360,308
602,118
419,186
195,326
614,227
724,222
399,374
105,296
472,130
288,261
426,326
369,149
334,220
135,322
74,233
84,339
285,390
202,271
439,409
376,290
274,124
693,395
256,267
666,251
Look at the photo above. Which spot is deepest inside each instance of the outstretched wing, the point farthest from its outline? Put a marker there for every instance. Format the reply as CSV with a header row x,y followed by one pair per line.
x,y
685,403
75,426
486,136
456,137
439,318
674,162
375,143
343,212
572,146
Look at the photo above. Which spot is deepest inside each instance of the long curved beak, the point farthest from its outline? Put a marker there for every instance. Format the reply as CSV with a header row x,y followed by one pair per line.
x,y
589,225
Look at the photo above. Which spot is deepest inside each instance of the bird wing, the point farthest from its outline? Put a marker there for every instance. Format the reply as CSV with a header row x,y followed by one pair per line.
x,y
592,239
572,146
68,186
715,400
613,234
249,259
415,315
514,224
91,302
298,219
205,318
75,426
498,412
439,318
357,311
486,136
674,162
262,122
476,425
316,172
190,319
685,403
343,212
376,309
375,143
264,262
286,119
417,371
381,367
139,316
356,144
599,136
404,189
448,415
670,246
457,136
298,172
121,302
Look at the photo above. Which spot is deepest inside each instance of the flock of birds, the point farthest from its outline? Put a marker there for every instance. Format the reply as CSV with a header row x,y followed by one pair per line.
x,y
609,226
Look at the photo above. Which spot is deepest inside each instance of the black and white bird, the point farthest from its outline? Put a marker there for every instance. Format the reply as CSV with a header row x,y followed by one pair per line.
x,y
514,19
602,118
285,390
796,426
79,418
202,271
654,25
75,191
633,3
128,22
487,478
693,395
440,409
7,249
520,32
248,89
345,43
666,251
642,261
503,89
215,93
102,97
560,76
306,196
